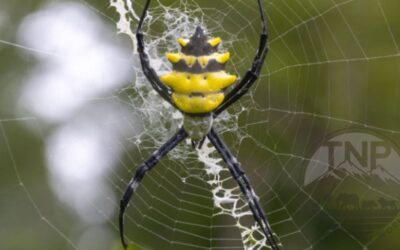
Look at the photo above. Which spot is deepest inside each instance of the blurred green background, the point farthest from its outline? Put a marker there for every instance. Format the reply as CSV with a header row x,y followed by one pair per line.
x,y
69,123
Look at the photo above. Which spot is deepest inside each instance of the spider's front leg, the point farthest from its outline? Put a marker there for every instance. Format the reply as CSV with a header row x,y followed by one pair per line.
x,y
245,186
149,71
141,171
254,72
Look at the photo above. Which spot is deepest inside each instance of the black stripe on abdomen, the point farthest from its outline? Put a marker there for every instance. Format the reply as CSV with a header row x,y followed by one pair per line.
x,y
196,68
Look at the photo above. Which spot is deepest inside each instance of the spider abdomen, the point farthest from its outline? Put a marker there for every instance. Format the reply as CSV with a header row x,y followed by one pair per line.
x,y
198,78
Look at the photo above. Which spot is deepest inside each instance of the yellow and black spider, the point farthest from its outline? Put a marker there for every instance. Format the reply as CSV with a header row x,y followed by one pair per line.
x,y
196,88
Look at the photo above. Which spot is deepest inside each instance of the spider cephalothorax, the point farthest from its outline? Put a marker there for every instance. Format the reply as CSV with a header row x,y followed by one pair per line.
x,y
198,77
196,87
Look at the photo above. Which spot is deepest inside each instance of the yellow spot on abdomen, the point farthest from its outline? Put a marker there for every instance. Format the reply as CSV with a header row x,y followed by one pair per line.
x,y
183,42
215,41
198,93
173,57
203,60
197,104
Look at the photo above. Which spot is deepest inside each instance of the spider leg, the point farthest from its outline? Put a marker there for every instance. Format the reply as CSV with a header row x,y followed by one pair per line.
x,y
141,171
245,186
251,75
149,71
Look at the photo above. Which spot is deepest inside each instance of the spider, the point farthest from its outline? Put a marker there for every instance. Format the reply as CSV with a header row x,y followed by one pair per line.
x,y
196,87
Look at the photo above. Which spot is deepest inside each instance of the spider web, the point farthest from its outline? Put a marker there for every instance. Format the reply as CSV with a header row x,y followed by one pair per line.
x,y
324,73
226,196
239,124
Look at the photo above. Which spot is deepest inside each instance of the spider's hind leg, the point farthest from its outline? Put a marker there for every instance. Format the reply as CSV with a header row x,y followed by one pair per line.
x,y
245,186
140,173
